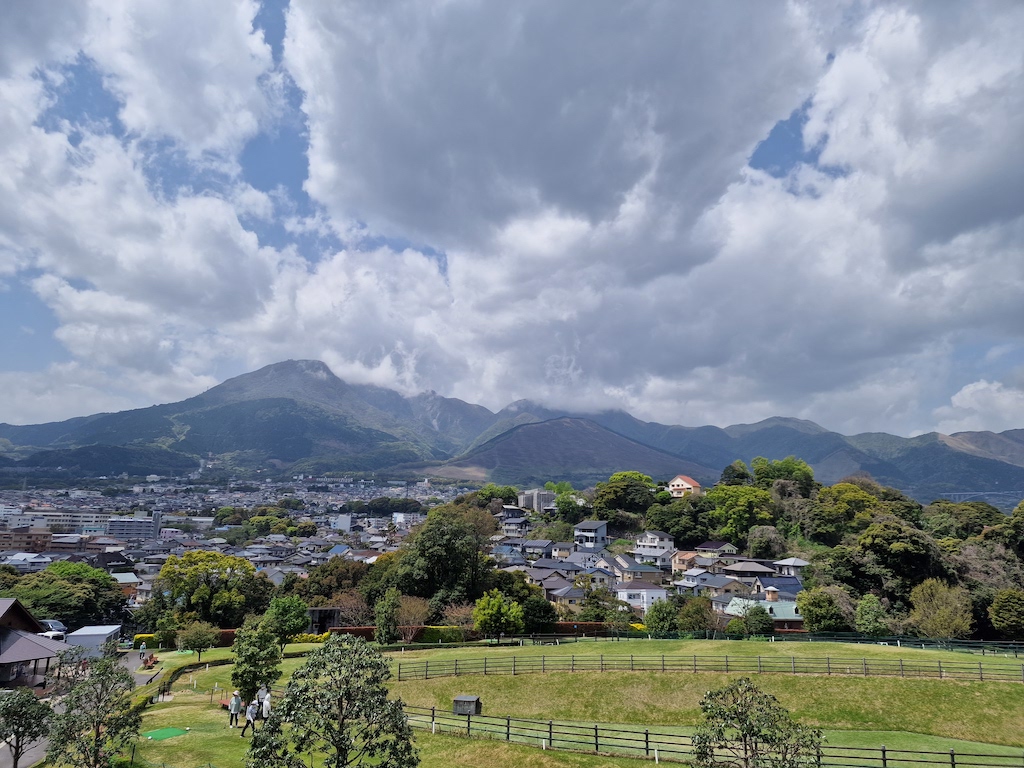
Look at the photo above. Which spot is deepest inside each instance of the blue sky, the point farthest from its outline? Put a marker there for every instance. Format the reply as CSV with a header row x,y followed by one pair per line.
x,y
698,212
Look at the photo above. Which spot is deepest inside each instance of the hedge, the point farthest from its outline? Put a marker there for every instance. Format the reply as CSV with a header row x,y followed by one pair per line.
x,y
149,640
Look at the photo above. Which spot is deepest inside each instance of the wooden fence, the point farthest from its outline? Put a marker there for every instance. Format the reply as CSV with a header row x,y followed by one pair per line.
x,y
673,747
795,665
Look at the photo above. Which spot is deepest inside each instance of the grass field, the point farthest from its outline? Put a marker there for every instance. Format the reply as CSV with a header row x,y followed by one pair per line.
x,y
911,714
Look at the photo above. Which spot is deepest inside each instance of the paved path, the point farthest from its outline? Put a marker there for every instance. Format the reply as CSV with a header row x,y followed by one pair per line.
x,y
34,755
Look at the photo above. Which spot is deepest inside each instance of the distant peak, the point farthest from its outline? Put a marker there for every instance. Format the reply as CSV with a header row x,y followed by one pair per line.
x,y
786,422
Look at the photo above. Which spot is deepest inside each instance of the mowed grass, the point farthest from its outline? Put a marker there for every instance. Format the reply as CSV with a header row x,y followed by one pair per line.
x,y
744,648
991,713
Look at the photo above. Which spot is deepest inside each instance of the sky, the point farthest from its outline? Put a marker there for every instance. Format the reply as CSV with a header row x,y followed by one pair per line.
x,y
700,212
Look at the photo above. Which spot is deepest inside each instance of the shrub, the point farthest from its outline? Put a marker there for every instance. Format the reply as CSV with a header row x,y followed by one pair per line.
x,y
311,638
149,640
227,638
364,632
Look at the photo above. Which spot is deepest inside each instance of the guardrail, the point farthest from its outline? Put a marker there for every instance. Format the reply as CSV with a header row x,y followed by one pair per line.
x,y
674,747
863,667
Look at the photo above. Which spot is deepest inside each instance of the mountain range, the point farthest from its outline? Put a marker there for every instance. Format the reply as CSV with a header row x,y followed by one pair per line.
x,y
298,417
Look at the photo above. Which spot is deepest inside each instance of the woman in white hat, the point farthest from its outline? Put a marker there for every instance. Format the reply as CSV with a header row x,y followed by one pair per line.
x,y
234,709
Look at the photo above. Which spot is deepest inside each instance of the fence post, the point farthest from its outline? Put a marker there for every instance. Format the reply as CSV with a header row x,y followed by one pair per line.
x,y
433,716
792,662
901,667
508,728
399,671
456,667
940,670
727,663
864,662
602,662
542,669
663,666
695,664
647,742
631,662
572,663
758,665
828,664
469,721
597,747
513,666
426,669
981,674
884,763
551,734
485,665
952,758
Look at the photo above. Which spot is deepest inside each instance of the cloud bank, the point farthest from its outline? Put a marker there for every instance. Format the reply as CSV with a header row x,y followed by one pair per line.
x,y
589,205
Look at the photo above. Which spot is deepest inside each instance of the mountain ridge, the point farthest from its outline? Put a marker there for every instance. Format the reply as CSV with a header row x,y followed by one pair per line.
x,y
298,415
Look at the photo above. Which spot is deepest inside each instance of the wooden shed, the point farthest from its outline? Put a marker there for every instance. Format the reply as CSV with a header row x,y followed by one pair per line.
x,y
467,705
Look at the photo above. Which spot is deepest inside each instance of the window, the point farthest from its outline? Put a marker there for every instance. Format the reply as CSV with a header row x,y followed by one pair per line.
x,y
632,595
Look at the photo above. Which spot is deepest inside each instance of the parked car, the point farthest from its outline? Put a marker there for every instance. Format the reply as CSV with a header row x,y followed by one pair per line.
x,y
54,625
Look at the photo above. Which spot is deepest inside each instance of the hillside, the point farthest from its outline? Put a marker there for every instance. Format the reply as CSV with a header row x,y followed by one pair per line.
x,y
298,416
584,452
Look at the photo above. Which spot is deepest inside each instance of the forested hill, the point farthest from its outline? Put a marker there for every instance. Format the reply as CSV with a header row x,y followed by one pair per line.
x,y
297,416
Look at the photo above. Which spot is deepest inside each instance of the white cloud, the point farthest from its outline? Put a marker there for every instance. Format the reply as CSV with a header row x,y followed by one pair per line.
x,y
192,71
982,405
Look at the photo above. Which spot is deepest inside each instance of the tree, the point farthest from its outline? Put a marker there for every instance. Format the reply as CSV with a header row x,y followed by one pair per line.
x,y
413,613
507,493
940,610
765,542
386,614
538,614
790,468
821,612
24,720
757,621
76,593
198,636
209,584
287,617
661,618
460,615
257,657
495,614
1007,613
738,508
697,615
746,727
736,474
871,617
98,721
336,704
626,491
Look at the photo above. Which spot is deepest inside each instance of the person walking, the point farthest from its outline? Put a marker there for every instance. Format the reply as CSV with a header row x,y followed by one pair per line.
x,y
234,709
266,705
250,717
142,651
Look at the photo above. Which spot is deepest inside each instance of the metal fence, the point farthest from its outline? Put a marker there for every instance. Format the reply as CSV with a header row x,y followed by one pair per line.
x,y
862,667
674,747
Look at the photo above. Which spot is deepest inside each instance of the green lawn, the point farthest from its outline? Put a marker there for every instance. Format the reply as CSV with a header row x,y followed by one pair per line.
x,y
973,711
911,714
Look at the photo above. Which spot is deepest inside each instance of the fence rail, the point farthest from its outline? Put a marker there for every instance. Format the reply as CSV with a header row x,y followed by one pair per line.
x,y
862,667
675,747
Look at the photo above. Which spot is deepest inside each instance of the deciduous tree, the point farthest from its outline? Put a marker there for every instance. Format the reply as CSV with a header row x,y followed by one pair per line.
x,y
940,610
287,617
871,616
412,614
198,636
386,614
746,727
24,721
336,705
661,618
97,721
257,658
495,614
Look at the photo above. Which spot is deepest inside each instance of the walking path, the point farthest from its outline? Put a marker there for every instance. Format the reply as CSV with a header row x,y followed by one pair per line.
x,y
37,752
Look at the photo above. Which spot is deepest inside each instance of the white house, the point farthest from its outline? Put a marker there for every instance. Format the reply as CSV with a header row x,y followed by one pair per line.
x,y
640,594
655,547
